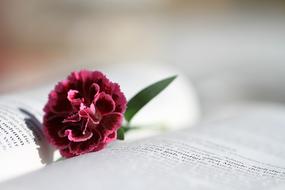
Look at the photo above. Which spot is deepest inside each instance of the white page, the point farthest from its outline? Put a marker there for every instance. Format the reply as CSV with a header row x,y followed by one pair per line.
x,y
246,152
22,145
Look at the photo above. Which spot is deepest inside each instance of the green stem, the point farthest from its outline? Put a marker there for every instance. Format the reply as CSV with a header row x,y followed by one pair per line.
x,y
59,159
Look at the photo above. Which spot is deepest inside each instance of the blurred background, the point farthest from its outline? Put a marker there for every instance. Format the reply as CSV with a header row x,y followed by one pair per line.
x,y
232,51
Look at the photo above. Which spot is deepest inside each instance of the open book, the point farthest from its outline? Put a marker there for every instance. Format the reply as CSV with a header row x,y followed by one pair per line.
x,y
245,151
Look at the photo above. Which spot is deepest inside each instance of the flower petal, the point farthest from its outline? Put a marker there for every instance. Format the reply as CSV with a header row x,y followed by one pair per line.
x,y
90,124
111,137
52,126
90,145
66,153
72,119
104,103
94,90
88,113
77,137
112,121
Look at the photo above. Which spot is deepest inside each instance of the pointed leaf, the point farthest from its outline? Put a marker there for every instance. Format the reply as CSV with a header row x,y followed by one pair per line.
x,y
144,96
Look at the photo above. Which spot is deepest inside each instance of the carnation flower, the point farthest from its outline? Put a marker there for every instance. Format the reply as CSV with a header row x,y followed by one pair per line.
x,y
83,113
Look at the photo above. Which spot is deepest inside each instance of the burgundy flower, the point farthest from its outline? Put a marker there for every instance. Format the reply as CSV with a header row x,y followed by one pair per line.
x,y
83,113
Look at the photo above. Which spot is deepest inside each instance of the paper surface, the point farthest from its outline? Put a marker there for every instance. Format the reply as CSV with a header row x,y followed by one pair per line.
x,y
244,152
22,145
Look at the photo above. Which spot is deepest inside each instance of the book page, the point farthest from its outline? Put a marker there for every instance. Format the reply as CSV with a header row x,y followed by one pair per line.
x,y
22,145
243,152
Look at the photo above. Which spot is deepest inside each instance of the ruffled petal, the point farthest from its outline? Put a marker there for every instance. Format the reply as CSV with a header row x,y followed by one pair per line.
x,y
112,121
94,91
104,103
88,113
76,136
78,148
74,98
52,135
66,153
72,119
111,137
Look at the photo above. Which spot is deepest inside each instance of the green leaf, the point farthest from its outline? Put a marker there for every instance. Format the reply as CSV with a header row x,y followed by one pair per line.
x,y
121,134
128,128
144,96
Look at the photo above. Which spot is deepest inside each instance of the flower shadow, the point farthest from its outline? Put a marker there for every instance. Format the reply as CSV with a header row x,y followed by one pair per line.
x,y
44,150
